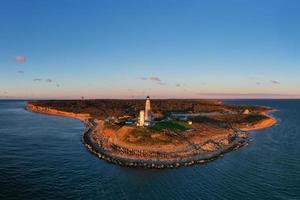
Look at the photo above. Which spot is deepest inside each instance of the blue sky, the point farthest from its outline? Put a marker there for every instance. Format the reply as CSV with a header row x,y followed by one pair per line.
x,y
161,48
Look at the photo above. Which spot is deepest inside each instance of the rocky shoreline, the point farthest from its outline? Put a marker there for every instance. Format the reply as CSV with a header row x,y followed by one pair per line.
x,y
95,149
87,139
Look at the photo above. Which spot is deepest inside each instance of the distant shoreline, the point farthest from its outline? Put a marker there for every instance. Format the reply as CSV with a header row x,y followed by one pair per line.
x,y
271,121
103,154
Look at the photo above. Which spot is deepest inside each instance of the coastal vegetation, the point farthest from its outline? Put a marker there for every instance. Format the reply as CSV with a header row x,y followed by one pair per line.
x,y
103,108
171,125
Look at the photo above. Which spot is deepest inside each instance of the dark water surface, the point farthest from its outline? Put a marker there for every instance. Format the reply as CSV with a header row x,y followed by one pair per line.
x,y
41,157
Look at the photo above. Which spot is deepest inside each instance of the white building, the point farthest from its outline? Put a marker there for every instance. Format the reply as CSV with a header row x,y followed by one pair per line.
x,y
246,112
141,118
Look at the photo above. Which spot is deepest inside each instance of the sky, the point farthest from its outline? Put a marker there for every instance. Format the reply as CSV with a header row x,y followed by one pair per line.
x,y
68,49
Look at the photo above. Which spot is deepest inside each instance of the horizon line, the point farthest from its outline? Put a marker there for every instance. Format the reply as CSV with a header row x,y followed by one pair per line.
x,y
70,99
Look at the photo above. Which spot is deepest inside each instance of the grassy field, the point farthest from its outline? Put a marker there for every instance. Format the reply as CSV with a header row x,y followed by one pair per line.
x,y
141,135
172,125
254,118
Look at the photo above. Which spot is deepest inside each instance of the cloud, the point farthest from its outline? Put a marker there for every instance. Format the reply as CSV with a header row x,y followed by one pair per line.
x,y
37,79
275,82
21,59
161,83
20,72
154,78
177,85
48,80
258,83
4,94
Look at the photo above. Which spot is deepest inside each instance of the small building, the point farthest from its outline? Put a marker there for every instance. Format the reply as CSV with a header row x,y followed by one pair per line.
x,y
246,112
141,121
183,118
147,123
129,122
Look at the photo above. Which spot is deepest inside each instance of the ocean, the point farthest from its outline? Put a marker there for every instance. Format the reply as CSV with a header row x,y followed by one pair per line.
x,y
42,157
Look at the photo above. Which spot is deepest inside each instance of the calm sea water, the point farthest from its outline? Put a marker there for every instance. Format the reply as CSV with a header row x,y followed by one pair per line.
x,y
41,157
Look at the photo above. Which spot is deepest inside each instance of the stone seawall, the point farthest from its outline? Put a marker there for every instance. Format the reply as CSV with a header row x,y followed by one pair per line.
x,y
101,153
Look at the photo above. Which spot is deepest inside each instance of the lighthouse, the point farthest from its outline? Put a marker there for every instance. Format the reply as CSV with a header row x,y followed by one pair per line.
x,y
148,110
145,116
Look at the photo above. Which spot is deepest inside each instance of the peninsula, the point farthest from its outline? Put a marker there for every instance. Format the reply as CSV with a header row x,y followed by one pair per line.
x,y
160,133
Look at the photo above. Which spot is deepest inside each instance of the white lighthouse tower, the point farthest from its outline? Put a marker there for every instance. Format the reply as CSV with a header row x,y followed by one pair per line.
x,y
145,116
148,110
